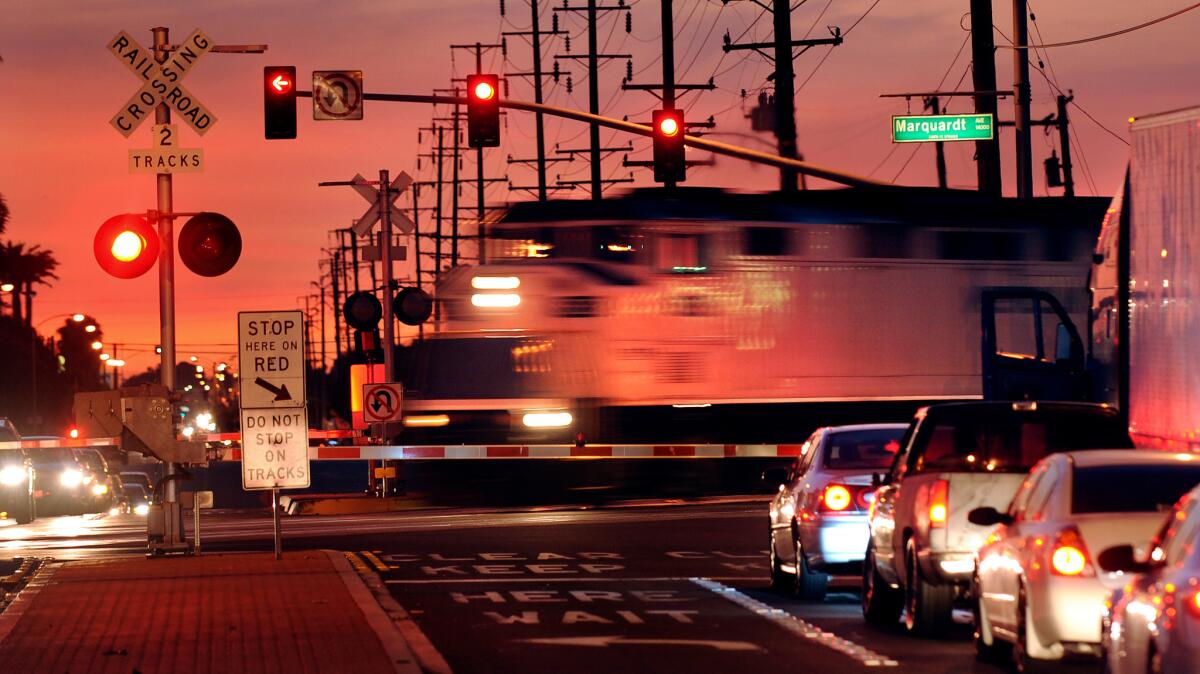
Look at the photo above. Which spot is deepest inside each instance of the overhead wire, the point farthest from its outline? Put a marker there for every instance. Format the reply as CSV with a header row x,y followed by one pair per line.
x,y
1105,36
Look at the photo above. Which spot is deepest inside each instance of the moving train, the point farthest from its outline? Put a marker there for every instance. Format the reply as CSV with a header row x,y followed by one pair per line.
x,y
700,314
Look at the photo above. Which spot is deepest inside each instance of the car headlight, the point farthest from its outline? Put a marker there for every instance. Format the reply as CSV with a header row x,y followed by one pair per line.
x,y
70,478
99,489
142,509
11,476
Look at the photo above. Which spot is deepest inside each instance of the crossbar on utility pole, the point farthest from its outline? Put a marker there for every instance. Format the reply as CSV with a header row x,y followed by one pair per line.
x,y
535,35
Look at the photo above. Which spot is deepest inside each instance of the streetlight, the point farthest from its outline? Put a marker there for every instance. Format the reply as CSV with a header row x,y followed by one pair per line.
x,y
97,345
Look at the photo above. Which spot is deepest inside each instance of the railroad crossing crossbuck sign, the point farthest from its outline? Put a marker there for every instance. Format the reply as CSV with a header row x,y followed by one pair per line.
x,y
162,82
274,417
400,183
381,402
337,94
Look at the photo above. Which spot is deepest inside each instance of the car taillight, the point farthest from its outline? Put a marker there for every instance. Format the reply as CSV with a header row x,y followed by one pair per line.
x,y
836,498
1069,556
939,503
1191,602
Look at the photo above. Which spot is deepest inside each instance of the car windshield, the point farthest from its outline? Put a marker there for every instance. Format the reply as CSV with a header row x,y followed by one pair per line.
x,y
1130,489
7,434
871,449
8,456
51,455
1014,441
135,492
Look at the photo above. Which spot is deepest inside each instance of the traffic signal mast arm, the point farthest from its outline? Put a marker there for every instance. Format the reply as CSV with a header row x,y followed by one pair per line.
x,y
716,147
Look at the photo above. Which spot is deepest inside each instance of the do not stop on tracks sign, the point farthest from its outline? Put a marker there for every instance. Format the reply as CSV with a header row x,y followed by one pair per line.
x,y
273,400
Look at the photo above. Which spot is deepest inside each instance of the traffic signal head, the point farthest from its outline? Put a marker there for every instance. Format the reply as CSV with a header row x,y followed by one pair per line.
x,y
483,111
669,163
126,246
279,102
209,244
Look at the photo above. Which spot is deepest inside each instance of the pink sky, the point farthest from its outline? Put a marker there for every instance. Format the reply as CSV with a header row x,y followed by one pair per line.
x,y
63,170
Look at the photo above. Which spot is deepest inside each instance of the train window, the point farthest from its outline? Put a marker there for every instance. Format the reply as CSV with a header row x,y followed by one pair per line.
x,y
981,245
617,244
767,241
680,253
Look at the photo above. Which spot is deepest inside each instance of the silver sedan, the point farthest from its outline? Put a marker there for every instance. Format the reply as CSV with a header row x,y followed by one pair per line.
x,y
818,519
1152,624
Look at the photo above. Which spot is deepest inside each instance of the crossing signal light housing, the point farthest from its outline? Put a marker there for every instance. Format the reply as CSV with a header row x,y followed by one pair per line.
x,y
126,246
412,306
483,111
209,244
669,163
279,102
362,311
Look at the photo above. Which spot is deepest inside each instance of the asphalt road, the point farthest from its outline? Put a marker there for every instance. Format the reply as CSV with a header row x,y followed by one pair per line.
x,y
630,589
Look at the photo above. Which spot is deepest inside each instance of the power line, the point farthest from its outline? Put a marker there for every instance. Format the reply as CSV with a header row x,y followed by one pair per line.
x,y
1105,36
830,52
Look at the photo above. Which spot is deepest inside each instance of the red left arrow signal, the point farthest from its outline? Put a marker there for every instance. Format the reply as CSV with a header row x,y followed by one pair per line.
x,y
281,83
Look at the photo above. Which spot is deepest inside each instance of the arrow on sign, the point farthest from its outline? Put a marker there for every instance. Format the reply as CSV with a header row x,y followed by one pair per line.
x,y
281,392
280,83
604,641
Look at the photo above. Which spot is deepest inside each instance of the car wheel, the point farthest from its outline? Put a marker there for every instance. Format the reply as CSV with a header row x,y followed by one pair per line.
x,y
881,603
927,607
998,651
1022,662
24,513
779,579
810,585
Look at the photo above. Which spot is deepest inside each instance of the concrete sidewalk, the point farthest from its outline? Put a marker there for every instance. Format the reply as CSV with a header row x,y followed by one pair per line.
x,y
309,612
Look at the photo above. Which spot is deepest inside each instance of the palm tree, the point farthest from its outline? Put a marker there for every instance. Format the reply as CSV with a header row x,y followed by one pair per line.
x,y
23,268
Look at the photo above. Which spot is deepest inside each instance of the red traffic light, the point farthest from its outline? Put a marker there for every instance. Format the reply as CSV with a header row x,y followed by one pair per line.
x,y
483,110
484,91
209,244
126,246
279,102
281,83
668,126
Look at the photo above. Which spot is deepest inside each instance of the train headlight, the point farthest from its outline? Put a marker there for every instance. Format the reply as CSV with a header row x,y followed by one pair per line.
x,y
496,300
11,476
496,282
70,478
547,419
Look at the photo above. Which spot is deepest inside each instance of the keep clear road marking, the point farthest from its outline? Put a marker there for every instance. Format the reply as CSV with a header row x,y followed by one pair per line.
x,y
796,625
602,641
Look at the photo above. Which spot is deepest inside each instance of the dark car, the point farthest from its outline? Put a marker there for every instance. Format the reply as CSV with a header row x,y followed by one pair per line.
x,y
97,479
58,481
956,457
138,498
16,478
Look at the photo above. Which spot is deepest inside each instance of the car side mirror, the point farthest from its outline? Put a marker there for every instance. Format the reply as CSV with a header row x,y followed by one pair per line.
x,y
1121,558
774,477
988,516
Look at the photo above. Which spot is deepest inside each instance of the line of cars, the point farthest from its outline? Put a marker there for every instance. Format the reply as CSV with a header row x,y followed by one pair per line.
x,y
1038,516
64,481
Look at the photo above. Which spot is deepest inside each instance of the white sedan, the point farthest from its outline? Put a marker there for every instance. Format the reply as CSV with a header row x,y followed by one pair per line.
x,y
1039,591
1153,625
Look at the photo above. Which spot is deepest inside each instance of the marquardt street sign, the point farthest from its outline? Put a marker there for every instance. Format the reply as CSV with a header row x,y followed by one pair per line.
x,y
337,94
942,128
164,157
400,183
271,359
275,449
161,82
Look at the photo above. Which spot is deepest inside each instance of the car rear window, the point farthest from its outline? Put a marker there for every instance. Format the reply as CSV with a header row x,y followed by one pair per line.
x,y
51,455
1014,441
870,449
1130,489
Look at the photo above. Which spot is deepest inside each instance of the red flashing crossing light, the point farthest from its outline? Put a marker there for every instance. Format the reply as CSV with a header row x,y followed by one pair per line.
x,y
279,102
126,246
483,111
209,244
669,163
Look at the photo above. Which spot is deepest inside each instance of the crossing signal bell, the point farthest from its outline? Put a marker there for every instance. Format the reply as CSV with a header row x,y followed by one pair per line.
x,y
279,102
126,246
483,111
669,163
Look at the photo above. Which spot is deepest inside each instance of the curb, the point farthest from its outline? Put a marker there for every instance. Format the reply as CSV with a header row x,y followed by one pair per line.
x,y
354,504
16,608
409,633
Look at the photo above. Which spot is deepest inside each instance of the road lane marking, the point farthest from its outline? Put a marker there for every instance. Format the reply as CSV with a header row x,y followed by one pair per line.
x,y
604,641
796,625
539,579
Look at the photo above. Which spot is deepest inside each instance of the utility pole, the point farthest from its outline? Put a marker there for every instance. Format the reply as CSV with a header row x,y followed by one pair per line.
x,y
1064,142
437,264
983,73
593,63
535,38
1022,99
933,103
668,86
785,81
